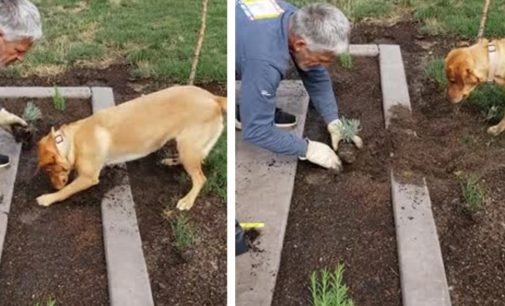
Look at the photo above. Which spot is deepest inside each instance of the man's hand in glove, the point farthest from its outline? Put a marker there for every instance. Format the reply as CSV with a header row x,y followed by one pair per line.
x,y
322,155
335,130
7,119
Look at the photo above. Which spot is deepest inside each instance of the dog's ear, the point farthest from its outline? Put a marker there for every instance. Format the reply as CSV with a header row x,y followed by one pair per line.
x,y
471,76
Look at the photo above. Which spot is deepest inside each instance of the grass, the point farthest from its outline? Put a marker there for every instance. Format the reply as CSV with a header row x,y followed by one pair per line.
x,y
50,302
435,72
473,194
346,60
156,37
491,100
58,100
329,289
459,18
183,232
216,170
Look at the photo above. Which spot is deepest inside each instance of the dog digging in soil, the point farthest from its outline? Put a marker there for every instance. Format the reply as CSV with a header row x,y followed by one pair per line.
x,y
468,67
190,115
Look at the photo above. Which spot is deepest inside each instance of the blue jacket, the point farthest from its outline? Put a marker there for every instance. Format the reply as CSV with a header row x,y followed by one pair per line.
x,y
262,60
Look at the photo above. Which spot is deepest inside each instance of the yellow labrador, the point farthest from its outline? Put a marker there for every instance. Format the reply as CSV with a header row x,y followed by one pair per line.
x,y
190,115
468,67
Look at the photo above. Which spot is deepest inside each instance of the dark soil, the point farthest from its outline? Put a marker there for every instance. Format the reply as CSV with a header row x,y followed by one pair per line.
x,y
452,144
195,276
57,251
347,152
346,217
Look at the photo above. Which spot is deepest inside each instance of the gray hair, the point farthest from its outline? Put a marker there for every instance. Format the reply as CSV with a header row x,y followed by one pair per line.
x,y
20,19
323,27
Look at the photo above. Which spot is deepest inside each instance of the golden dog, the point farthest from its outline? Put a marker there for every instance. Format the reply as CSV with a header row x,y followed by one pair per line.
x,y
190,115
468,67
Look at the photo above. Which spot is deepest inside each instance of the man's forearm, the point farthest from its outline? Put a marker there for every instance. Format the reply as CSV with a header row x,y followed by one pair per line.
x,y
275,140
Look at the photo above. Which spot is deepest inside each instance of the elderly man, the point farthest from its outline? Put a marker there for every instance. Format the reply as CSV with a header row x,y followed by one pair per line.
x,y
20,27
268,34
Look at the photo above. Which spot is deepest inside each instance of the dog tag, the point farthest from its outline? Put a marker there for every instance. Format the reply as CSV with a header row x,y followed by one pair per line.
x,y
261,9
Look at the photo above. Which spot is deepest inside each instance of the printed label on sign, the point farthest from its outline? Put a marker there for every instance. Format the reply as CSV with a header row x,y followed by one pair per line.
x,y
261,9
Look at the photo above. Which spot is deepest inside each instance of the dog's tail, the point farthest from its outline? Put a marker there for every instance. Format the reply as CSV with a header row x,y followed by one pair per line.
x,y
222,102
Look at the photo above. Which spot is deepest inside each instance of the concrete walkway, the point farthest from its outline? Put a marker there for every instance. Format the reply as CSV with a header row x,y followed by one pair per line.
x,y
264,186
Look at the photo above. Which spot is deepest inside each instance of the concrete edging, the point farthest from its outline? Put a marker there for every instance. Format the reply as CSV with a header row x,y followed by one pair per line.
x,y
423,279
126,267
45,92
370,50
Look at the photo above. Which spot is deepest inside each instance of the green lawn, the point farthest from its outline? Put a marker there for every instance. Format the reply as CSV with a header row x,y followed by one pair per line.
x,y
157,37
459,18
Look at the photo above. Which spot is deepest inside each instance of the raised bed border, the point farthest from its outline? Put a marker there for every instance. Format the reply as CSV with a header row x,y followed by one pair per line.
x,y
128,279
422,274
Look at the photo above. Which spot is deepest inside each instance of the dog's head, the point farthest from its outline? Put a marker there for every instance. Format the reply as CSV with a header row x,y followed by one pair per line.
x,y
56,166
462,74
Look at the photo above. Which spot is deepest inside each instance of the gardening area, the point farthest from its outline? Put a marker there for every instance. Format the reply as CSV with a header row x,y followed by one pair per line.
x,y
57,255
340,245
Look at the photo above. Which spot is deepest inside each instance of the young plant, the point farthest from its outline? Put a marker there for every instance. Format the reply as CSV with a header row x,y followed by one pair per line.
x,y
183,232
473,195
346,60
329,289
31,113
58,100
50,302
349,129
25,134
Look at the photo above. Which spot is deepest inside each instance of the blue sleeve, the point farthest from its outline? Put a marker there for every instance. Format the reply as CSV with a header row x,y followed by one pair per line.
x,y
257,110
317,82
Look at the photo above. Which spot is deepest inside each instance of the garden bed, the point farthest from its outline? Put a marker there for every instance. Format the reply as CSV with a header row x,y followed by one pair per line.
x,y
452,145
348,217
195,275
57,251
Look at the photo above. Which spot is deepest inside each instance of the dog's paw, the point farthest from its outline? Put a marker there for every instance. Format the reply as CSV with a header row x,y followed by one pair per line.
x,y
44,200
184,204
171,161
494,130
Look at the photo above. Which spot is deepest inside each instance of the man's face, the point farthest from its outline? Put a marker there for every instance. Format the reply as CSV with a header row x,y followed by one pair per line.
x,y
11,51
305,58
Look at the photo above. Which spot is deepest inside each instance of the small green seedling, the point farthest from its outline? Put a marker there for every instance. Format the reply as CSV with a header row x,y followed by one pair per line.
x,y
183,232
31,113
58,100
50,302
329,289
473,195
346,60
349,129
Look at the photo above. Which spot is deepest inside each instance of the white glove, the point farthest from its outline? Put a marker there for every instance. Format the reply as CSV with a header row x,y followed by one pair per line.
x,y
334,128
322,155
7,119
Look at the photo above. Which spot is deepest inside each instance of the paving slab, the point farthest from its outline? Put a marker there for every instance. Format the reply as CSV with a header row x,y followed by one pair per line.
x,y
422,272
126,268
370,50
395,90
421,266
44,92
7,179
264,187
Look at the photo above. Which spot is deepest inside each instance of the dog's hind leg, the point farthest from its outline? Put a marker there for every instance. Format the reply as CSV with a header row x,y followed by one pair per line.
x,y
193,147
191,158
